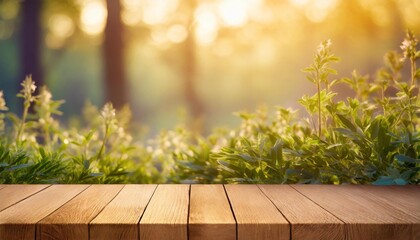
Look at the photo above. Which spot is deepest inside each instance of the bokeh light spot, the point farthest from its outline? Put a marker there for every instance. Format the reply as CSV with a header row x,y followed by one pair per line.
x,y
93,17
177,33
233,12
61,25
206,26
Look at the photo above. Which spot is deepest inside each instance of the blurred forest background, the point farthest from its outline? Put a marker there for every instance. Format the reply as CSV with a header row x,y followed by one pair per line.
x,y
178,60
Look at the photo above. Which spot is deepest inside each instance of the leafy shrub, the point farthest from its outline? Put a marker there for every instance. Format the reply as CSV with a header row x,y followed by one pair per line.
x,y
371,137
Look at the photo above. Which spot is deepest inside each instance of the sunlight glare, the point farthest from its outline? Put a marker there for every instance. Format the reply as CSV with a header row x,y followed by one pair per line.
x,y
318,10
177,33
158,12
299,3
130,12
233,12
93,17
206,26
61,25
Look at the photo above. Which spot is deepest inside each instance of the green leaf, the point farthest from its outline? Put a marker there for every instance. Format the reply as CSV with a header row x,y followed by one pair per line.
x,y
406,159
346,122
400,181
384,181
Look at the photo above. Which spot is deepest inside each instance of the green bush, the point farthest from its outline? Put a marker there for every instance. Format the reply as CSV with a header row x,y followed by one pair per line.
x,y
370,138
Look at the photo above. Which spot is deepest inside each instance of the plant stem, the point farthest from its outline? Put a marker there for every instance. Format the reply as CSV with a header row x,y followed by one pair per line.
x,y
318,85
101,150
413,72
413,83
22,123
47,135
382,99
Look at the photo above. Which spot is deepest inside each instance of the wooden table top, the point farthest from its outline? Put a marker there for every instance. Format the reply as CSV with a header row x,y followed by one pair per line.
x,y
219,212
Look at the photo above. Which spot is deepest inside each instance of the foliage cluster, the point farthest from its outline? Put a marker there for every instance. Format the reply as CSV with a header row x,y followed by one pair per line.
x,y
371,137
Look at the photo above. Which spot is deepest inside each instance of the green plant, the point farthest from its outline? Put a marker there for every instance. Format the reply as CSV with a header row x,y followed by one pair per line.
x,y
369,138
318,73
28,88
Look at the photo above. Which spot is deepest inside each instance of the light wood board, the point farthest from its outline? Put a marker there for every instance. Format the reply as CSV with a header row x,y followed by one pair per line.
x,y
255,214
166,216
210,214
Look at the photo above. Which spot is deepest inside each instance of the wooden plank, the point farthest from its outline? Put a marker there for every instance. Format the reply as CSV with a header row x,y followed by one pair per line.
x,y
12,194
364,218
119,219
71,220
255,214
402,199
210,214
166,216
18,221
307,219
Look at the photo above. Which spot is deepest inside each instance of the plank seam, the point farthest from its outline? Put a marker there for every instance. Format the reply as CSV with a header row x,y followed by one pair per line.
x,y
290,224
318,204
37,224
389,204
233,213
26,197
150,199
188,215
103,209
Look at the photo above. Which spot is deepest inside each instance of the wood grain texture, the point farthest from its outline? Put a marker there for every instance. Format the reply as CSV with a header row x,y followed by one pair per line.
x,y
364,218
12,194
210,214
307,219
406,200
255,214
71,220
399,201
166,216
18,221
119,219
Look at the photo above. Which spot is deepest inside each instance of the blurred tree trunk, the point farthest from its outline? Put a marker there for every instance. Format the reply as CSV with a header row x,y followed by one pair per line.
x,y
115,82
190,73
31,42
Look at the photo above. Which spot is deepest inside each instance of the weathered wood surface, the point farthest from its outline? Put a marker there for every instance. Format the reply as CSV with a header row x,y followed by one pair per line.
x,y
209,212
255,214
166,216
307,219
12,194
119,219
365,216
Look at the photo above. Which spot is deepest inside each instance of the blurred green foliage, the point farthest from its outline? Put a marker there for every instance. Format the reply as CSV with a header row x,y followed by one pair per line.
x,y
371,138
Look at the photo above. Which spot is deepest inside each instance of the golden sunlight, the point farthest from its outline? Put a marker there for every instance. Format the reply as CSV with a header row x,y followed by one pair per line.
x,y
177,33
130,12
315,10
233,12
158,12
207,27
61,25
93,17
